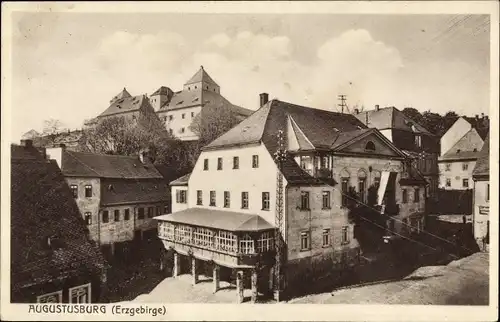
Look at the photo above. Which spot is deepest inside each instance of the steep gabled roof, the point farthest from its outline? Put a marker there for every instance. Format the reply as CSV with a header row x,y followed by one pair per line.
x,y
80,164
201,76
125,105
468,147
123,94
391,118
42,206
163,90
482,167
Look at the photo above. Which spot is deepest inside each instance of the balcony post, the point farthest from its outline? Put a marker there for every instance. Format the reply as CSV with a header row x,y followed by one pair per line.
x,y
216,277
193,270
239,286
254,285
177,265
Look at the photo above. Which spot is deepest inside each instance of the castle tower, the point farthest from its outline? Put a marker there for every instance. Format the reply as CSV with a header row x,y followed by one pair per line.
x,y
201,80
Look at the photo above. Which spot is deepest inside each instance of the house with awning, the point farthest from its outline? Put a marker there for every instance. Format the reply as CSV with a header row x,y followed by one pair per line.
x,y
239,201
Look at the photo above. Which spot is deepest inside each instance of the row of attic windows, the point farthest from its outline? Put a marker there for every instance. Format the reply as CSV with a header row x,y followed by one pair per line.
x,y
236,163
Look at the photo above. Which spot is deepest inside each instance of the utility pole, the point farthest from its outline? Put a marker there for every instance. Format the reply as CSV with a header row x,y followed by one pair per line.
x,y
279,156
342,99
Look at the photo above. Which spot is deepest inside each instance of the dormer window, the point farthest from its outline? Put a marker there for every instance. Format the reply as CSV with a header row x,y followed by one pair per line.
x,y
370,146
458,150
475,150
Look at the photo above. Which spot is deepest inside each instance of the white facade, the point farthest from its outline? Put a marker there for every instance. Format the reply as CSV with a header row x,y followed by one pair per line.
x,y
177,122
456,175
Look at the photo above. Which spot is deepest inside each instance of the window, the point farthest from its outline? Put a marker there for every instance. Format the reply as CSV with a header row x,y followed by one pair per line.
x,y
205,164
158,210
183,234
370,146
376,178
244,200
448,182
304,200
247,245
465,166
80,294
345,235
170,117
199,197
362,188
203,237
140,214
416,197
344,189
181,196
105,216
255,161
182,130
465,183
488,192
305,243
117,215
225,241
219,163
88,191
74,190
265,242
88,218
127,214
326,200
418,141
183,115
150,212
212,198
405,196
447,166
265,201
54,297
192,114
227,199
326,237
236,162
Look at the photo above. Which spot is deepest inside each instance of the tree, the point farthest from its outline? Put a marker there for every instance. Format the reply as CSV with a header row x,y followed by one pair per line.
x,y
414,114
51,128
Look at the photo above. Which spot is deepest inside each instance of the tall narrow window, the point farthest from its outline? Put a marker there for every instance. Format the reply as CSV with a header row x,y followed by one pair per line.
x,y
117,215
74,190
447,167
244,200
150,212
236,162
416,198
227,199
105,216
448,182
265,201
362,189
127,214
158,210
465,166
183,115
405,196
199,197
205,164
88,191
345,191
305,242
181,196
219,163
326,200
304,200
140,214
345,235
255,161
326,237
88,218
465,183
488,192
418,141
212,198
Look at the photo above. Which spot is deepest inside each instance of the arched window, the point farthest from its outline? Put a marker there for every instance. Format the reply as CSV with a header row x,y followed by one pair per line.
x,y
362,185
344,179
376,177
370,146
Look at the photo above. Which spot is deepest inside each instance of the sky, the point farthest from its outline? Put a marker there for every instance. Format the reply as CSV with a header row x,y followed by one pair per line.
x,y
67,66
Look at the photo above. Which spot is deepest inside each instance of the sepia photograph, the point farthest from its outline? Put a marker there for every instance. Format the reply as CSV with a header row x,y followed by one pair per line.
x,y
243,154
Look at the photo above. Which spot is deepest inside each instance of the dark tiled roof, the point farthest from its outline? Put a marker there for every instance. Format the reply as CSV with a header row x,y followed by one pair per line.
x,y
482,125
346,137
390,118
182,181
219,219
482,167
25,153
163,90
128,191
126,105
41,206
295,175
201,76
82,164
123,94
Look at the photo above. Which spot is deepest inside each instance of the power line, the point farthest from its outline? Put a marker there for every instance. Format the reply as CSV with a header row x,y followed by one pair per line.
x,y
342,104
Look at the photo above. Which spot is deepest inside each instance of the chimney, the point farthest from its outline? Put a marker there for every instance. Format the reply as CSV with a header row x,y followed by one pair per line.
x,y
264,98
377,107
356,110
477,116
27,143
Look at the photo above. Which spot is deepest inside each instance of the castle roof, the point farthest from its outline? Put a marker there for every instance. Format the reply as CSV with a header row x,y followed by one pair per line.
x,y
201,76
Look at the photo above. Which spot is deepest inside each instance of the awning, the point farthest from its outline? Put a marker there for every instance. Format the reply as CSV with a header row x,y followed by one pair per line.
x,y
218,219
385,178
